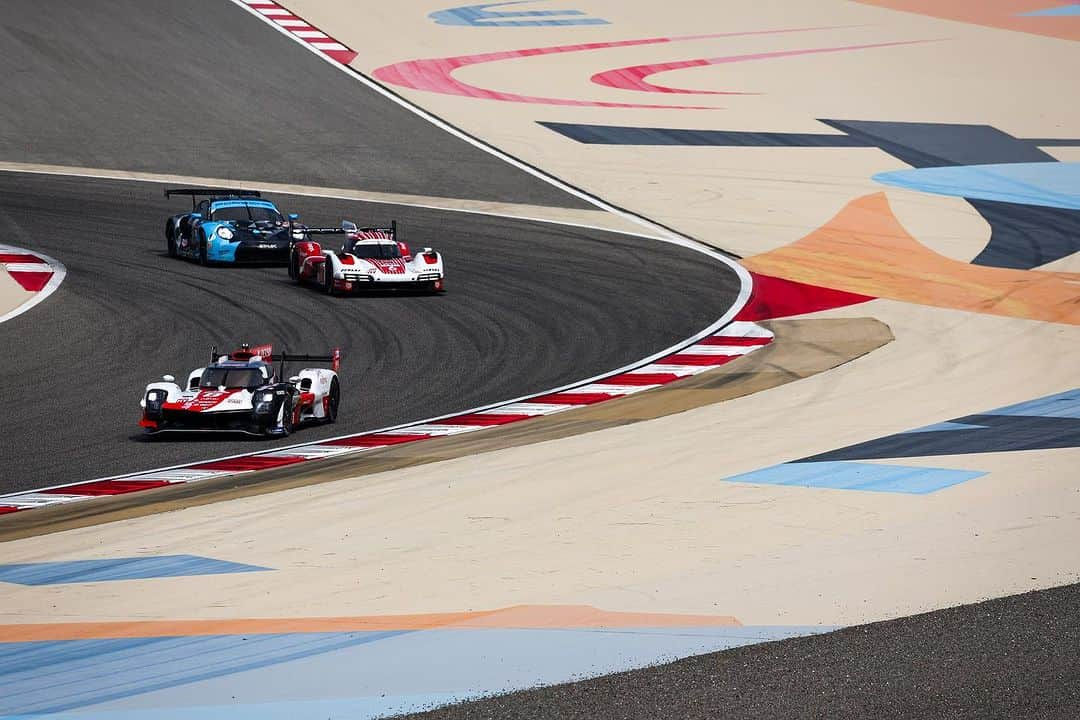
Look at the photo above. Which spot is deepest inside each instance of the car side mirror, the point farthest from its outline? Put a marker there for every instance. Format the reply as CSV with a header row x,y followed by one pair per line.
x,y
168,378
293,217
294,380
425,251
196,216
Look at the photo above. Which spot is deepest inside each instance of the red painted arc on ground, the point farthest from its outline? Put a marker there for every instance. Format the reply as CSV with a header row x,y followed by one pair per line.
x,y
436,74
636,77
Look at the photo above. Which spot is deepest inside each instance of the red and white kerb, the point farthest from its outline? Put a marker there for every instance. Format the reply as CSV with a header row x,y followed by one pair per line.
x,y
299,27
732,342
31,271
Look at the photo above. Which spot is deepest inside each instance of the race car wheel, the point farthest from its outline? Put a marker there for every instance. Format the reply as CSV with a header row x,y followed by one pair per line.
x,y
334,401
170,239
294,267
328,281
287,417
202,248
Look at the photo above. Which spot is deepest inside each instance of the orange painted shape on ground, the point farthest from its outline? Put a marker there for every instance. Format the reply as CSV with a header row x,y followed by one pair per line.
x,y
585,616
864,249
1003,14
522,616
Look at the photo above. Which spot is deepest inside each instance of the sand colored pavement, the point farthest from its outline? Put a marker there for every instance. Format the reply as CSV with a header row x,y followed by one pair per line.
x,y
12,294
746,200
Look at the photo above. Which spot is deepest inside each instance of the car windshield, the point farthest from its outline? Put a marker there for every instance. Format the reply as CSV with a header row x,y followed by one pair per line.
x,y
375,250
246,214
215,377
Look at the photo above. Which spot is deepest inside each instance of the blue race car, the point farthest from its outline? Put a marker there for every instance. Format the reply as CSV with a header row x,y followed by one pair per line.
x,y
230,226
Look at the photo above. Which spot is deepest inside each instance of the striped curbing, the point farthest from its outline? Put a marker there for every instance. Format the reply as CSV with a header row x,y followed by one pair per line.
x,y
302,30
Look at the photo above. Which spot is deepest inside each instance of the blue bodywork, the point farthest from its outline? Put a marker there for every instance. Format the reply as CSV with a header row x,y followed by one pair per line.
x,y
257,238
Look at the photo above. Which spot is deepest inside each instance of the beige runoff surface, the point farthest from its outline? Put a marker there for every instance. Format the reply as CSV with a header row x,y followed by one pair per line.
x,y
12,294
637,517
588,218
745,200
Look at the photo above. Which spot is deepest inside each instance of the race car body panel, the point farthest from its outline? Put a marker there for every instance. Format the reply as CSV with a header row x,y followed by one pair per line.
x,y
230,227
369,259
241,392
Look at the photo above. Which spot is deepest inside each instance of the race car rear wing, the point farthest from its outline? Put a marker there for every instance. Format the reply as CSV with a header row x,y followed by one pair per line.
x,y
348,227
266,353
212,192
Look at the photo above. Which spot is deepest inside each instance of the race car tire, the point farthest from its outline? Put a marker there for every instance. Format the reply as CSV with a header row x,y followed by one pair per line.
x,y
294,267
170,239
202,249
335,400
328,281
286,417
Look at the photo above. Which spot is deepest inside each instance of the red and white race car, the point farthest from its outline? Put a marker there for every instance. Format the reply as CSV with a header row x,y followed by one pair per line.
x,y
241,392
369,258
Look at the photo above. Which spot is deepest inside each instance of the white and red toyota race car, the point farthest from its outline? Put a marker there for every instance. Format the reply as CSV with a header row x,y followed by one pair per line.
x,y
370,258
241,392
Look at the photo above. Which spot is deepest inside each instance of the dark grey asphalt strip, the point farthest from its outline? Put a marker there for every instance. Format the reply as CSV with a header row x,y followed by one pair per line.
x,y
202,88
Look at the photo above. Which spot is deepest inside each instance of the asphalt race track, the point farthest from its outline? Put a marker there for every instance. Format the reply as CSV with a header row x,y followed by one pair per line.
x,y
530,306
203,89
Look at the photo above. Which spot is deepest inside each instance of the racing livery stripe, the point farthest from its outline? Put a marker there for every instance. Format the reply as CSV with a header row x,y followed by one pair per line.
x,y
300,28
699,355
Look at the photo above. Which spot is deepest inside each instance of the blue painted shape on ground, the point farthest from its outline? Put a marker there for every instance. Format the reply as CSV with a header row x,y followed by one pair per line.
x,y
946,426
1042,424
858,476
398,673
1022,236
1062,405
1060,11
56,676
1049,184
482,16
132,568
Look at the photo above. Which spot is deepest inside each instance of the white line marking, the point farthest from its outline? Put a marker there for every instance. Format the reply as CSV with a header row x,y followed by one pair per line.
x,y
719,349
530,409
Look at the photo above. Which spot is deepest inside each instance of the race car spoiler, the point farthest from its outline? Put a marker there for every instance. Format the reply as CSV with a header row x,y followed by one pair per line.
x,y
265,352
348,226
212,192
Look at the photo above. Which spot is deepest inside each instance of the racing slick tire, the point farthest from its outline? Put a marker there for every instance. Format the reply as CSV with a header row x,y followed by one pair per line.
x,y
202,249
170,239
335,401
294,267
287,425
328,282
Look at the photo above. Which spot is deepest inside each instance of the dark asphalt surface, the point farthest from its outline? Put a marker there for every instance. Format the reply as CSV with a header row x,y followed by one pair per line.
x,y
201,87
1011,658
530,306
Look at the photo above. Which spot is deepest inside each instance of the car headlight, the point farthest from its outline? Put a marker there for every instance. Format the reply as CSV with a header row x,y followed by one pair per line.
x,y
225,233
156,397
265,397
